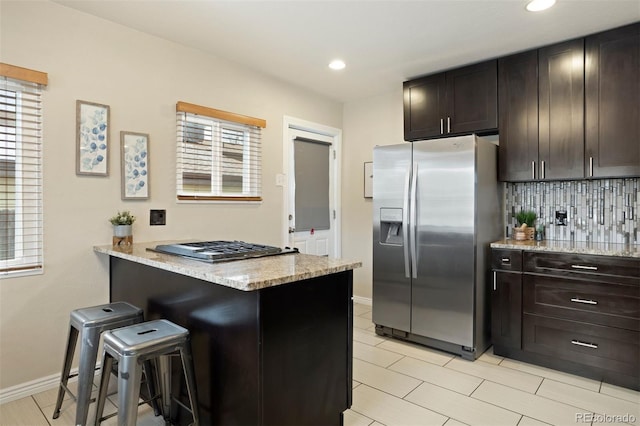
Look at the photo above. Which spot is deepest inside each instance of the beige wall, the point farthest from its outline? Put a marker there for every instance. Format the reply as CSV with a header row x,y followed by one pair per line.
x,y
141,78
367,123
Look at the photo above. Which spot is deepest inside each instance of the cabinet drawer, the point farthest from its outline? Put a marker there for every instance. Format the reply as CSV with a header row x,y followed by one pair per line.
x,y
583,300
594,345
582,265
506,260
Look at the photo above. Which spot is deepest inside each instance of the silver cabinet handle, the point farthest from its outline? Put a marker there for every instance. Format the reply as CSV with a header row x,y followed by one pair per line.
x,y
442,126
448,124
494,280
543,173
533,170
586,345
590,166
588,268
506,260
585,301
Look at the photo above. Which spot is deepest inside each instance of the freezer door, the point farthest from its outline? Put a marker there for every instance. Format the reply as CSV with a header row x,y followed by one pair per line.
x,y
391,269
443,290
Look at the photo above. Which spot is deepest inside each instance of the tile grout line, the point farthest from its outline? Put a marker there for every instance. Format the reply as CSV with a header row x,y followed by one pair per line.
x,y
539,396
587,390
41,409
551,378
408,402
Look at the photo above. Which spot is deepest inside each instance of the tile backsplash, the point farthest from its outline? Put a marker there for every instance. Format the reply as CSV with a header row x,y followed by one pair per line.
x,y
603,210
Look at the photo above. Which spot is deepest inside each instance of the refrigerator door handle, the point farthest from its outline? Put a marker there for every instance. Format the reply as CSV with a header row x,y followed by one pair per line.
x,y
405,224
413,221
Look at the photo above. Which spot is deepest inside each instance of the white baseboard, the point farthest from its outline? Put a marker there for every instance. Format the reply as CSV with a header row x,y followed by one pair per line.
x,y
34,386
29,388
363,300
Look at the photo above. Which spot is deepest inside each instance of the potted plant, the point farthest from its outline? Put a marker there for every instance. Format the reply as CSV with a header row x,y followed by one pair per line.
x,y
526,221
122,222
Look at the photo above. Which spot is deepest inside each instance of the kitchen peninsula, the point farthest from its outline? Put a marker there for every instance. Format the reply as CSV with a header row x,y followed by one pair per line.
x,y
271,336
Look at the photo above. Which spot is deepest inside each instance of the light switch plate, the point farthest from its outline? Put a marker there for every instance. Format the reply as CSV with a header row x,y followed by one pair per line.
x,y
280,178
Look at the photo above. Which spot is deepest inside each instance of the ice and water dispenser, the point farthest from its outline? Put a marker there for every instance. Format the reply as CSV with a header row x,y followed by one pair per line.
x,y
391,226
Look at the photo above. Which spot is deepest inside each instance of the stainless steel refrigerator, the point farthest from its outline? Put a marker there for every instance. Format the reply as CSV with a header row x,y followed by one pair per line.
x,y
436,208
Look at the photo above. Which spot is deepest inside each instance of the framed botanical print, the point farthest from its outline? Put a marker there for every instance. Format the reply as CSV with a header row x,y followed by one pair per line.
x,y
92,139
134,154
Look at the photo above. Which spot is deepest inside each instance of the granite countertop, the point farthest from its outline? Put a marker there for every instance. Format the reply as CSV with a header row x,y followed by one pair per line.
x,y
580,247
246,275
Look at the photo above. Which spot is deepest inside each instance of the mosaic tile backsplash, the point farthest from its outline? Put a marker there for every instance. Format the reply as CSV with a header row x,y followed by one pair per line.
x,y
604,210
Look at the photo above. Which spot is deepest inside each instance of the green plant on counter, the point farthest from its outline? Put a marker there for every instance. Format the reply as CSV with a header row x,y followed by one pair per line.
x,y
528,217
123,218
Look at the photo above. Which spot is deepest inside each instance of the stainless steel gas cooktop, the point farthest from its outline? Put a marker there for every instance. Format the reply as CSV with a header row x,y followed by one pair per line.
x,y
218,251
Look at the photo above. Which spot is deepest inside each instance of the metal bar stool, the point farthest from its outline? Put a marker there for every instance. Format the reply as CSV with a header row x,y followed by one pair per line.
x,y
132,346
90,323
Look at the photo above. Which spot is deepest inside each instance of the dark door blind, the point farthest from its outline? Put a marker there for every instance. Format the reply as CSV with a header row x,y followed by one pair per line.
x,y
21,231
311,164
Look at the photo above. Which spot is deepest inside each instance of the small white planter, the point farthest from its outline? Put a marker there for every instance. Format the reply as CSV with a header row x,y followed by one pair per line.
x,y
122,230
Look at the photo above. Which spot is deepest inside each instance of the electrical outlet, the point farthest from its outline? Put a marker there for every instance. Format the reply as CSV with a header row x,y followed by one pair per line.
x,y
158,217
561,217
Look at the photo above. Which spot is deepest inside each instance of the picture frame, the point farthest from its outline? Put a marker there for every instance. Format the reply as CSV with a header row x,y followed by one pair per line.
x,y
134,170
368,179
92,138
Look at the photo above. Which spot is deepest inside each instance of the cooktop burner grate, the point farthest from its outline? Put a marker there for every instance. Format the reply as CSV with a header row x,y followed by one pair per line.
x,y
215,251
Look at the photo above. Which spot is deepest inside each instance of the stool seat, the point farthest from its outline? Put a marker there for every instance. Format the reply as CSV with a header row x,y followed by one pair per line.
x,y
89,324
104,315
134,346
147,339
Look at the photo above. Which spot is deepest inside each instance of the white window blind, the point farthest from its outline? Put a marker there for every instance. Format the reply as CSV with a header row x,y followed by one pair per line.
x,y
21,233
218,155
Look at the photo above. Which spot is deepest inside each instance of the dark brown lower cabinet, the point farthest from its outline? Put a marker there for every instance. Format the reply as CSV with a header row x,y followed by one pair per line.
x,y
506,308
571,312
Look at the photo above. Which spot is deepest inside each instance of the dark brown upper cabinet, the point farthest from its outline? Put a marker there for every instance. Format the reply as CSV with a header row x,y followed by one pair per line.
x,y
612,78
462,100
561,111
541,99
518,118
424,107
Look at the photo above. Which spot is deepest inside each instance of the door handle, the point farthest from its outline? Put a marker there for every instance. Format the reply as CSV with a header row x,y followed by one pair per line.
x,y
585,344
292,230
543,173
448,124
413,220
494,280
405,224
587,268
585,301
533,170
442,126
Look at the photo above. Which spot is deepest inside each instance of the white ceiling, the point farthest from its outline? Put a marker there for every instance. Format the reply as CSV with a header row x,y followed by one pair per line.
x,y
383,42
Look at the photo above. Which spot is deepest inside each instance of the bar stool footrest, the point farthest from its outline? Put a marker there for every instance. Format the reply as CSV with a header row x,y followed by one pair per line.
x,y
146,401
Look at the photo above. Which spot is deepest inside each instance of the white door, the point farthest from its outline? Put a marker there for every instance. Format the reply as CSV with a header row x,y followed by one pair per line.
x,y
311,193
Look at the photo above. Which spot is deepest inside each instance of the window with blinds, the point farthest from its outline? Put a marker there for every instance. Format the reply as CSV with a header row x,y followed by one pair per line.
x,y
218,155
21,232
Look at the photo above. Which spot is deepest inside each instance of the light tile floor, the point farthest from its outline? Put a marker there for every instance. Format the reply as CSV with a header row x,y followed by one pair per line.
x,y
396,383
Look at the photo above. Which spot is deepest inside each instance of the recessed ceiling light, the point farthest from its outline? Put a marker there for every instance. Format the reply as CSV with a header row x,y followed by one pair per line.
x,y
538,5
337,64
